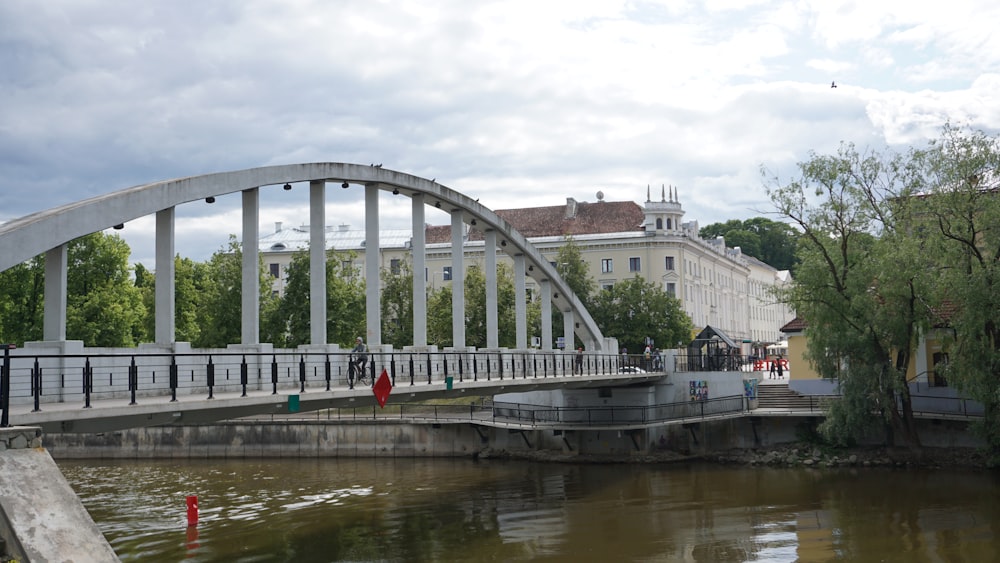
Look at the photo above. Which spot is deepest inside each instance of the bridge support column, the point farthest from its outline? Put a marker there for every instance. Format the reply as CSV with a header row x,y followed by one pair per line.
x,y
546,298
569,324
419,272
492,324
457,279
373,263
317,262
250,314
54,320
520,305
165,281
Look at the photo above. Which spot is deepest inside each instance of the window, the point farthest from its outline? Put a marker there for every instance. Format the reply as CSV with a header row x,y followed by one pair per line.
x,y
607,265
447,273
634,265
659,224
275,270
394,266
672,289
607,286
668,262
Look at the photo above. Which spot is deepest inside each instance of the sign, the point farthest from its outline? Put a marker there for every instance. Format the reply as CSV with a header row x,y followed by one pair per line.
x,y
561,342
382,388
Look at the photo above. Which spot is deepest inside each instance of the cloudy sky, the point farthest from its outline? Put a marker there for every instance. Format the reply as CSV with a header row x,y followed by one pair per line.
x,y
517,103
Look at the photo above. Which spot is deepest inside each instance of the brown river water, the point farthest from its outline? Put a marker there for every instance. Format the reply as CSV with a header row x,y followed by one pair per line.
x,y
378,509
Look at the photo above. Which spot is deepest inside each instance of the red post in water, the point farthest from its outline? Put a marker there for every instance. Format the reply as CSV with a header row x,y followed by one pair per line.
x,y
192,510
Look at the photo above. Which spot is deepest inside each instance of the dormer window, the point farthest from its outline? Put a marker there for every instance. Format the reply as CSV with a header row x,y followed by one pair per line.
x,y
278,246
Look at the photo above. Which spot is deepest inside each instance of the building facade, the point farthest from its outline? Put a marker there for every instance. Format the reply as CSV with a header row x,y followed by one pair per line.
x,y
717,286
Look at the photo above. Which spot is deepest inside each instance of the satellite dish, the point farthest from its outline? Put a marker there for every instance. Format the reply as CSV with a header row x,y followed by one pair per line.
x,y
600,196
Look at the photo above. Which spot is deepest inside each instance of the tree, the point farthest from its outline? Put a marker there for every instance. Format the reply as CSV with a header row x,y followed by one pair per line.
x,y
439,319
21,302
634,309
956,218
861,285
574,270
771,242
397,306
288,324
220,283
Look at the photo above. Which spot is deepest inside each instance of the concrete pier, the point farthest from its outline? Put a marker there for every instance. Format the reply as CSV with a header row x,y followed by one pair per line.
x,y
41,518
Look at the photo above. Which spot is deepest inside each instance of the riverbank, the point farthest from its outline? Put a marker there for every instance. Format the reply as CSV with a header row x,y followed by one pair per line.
x,y
786,455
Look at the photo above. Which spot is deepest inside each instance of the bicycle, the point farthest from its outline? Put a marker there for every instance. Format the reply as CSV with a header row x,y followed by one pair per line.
x,y
356,371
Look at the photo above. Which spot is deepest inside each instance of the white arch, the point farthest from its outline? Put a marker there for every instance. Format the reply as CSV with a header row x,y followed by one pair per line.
x,y
23,238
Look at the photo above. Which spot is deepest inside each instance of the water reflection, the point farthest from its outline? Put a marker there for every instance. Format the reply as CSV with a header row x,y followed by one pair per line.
x,y
460,510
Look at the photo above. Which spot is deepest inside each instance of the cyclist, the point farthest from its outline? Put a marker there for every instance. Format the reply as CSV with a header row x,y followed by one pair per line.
x,y
360,356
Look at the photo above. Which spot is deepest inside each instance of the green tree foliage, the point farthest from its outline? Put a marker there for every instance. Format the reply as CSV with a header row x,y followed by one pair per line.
x,y
957,220
220,284
861,285
439,326
635,309
21,302
104,308
397,306
189,294
574,270
288,323
771,242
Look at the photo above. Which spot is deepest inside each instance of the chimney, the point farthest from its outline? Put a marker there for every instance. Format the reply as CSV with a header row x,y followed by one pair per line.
x,y
570,208
277,226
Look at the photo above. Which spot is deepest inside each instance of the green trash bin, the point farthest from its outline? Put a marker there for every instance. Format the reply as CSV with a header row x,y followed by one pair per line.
x,y
293,403
448,382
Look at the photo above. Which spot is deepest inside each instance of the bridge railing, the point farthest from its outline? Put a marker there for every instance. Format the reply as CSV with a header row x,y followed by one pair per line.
x,y
49,378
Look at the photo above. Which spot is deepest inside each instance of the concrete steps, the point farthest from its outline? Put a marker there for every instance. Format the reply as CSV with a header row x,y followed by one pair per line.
x,y
779,396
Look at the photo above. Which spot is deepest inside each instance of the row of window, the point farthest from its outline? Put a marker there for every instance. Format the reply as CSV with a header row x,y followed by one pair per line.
x,y
634,264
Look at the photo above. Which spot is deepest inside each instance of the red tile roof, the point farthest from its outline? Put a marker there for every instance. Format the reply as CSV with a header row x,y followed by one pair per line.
x,y
795,325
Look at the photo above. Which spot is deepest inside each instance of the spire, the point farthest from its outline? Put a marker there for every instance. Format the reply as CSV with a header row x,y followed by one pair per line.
x,y
647,193
663,197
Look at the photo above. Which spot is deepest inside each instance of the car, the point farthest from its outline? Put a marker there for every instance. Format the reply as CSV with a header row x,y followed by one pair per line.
x,y
631,369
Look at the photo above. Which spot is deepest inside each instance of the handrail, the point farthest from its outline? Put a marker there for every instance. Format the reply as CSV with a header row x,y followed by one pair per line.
x,y
48,378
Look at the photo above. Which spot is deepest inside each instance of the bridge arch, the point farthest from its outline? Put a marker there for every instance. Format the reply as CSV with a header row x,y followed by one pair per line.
x,y
49,231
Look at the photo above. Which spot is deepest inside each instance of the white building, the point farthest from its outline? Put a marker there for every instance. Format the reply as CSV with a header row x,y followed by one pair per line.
x,y
717,286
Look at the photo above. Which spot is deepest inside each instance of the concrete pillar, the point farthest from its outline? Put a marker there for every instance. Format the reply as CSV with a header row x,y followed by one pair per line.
x,y
250,302
492,325
54,320
921,360
373,259
520,305
419,272
569,325
165,282
546,297
457,279
317,262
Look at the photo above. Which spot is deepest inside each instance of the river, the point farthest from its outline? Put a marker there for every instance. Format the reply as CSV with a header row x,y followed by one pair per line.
x,y
379,509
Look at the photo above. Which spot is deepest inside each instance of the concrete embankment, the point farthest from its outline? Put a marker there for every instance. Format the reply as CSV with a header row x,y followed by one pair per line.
x,y
42,519
278,438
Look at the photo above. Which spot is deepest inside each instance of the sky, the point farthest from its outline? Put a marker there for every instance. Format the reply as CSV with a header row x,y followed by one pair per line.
x,y
517,103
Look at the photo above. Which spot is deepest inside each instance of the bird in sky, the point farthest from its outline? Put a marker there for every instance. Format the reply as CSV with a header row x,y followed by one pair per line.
x,y
833,84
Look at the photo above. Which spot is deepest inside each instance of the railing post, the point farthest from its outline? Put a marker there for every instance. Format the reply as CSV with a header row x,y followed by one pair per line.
x,y
327,371
461,364
173,379
36,385
411,370
429,366
243,375
351,372
210,377
133,380
274,374
475,367
88,383
302,373
500,365
392,369
5,387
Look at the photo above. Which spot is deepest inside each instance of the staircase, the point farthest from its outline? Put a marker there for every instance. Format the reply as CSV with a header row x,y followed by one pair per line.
x,y
779,396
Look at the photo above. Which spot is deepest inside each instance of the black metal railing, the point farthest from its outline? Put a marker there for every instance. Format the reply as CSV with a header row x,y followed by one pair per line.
x,y
37,379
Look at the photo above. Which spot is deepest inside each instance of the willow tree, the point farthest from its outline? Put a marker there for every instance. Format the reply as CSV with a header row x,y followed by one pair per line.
x,y
862,285
958,217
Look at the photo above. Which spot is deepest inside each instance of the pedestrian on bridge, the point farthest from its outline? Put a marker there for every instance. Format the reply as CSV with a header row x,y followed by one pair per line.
x,y
578,365
360,353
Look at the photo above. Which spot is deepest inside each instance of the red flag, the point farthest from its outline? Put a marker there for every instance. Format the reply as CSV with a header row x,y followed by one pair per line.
x,y
382,388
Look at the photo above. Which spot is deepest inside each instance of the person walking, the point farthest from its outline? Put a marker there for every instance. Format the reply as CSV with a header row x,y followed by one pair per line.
x,y
781,369
578,365
774,369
